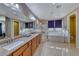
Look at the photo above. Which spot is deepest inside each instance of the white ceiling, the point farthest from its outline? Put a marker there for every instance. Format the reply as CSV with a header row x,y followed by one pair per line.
x,y
49,11
13,14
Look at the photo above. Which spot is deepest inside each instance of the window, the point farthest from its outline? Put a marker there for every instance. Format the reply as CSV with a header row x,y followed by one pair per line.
x,y
51,24
26,25
29,25
58,23
55,23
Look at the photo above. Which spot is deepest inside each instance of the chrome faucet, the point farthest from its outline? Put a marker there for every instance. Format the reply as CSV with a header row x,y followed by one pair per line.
x,y
10,40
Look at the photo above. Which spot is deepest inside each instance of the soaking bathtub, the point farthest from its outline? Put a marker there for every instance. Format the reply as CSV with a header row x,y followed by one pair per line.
x,y
58,35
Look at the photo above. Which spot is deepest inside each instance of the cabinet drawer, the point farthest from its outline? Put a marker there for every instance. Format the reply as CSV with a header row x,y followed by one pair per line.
x,y
34,45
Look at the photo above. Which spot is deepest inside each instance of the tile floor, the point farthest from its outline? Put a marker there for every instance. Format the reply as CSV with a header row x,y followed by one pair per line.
x,y
50,48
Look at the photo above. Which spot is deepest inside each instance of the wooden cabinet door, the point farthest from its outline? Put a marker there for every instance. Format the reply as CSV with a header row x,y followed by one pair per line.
x,y
19,51
40,38
20,55
29,48
27,52
37,41
33,45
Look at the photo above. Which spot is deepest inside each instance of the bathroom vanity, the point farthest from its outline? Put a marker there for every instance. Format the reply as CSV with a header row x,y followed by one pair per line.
x,y
23,46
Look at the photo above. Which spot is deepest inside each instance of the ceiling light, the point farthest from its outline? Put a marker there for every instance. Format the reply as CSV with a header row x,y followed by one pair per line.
x,y
13,8
7,4
55,16
2,18
32,18
17,6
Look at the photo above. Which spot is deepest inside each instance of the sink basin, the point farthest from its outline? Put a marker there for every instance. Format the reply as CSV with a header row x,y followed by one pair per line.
x,y
33,32
13,45
26,35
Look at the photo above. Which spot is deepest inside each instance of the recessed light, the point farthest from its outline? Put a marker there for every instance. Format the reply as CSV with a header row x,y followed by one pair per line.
x,y
17,6
58,6
32,18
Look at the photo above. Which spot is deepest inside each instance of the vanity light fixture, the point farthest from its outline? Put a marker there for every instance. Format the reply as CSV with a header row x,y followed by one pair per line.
x,y
12,5
7,4
13,8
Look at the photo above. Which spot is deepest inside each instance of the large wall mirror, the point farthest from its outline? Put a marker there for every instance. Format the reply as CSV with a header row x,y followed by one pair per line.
x,y
16,28
2,27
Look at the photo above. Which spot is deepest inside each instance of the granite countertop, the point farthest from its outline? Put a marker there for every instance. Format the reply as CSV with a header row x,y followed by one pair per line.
x,y
4,52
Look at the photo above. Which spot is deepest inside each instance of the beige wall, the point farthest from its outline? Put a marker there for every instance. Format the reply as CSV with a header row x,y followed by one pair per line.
x,y
77,27
65,22
10,27
22,25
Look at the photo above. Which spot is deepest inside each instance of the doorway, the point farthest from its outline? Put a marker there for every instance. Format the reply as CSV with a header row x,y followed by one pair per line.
x,y
16,28
73,30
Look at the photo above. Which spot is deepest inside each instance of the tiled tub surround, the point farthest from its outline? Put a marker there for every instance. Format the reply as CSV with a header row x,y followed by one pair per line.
x,y
27,48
